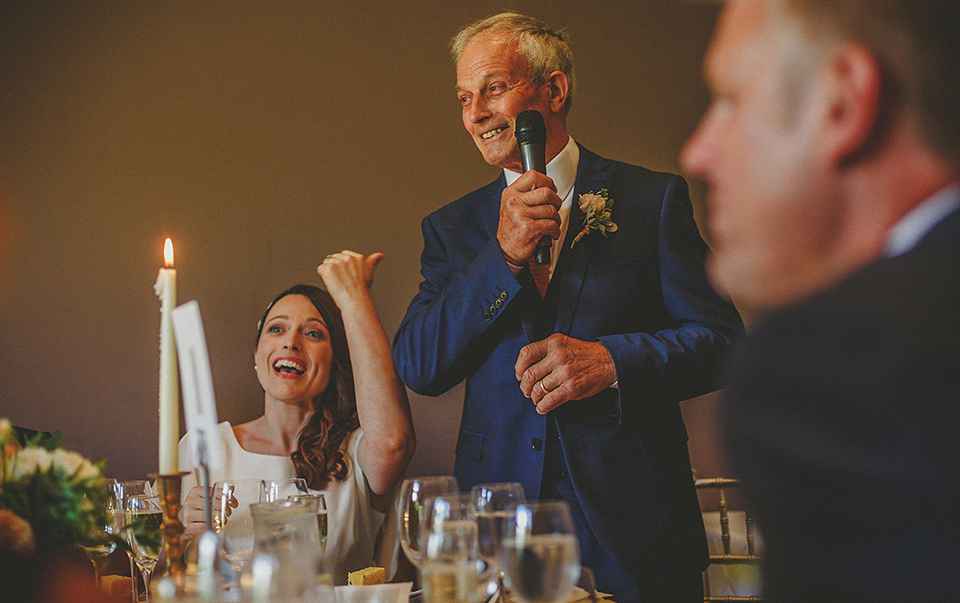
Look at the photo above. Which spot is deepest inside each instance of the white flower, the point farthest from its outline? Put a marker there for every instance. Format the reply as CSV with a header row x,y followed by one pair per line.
x,y
70,462
592,202
30,460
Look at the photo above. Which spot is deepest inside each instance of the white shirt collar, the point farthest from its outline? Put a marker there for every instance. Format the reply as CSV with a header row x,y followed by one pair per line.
x,y
911,228
562,169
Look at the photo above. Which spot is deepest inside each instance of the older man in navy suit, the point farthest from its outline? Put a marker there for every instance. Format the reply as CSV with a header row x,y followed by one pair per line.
x,y
832,151
572,388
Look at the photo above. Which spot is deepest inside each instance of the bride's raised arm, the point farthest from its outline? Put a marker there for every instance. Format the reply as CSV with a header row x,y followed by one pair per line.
x,y
382,406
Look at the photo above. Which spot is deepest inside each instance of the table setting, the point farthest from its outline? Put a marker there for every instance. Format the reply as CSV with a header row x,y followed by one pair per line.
x,y
265,538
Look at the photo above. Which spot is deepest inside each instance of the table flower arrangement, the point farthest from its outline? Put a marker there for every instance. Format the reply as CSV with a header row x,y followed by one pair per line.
x,y
50,497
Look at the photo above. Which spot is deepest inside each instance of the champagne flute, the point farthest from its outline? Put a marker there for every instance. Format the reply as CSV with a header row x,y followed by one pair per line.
x,y
413,493
321,514
494,503
144,522
539,553
106,509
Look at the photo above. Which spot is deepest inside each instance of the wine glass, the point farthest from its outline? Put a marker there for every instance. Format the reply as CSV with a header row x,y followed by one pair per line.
x,y
413,493
494,503
123,490
144,520
539,553
451,567
105,509
279,489
321,514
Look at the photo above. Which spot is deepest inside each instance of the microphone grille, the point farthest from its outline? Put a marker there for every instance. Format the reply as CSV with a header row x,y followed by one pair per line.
x,y
530,128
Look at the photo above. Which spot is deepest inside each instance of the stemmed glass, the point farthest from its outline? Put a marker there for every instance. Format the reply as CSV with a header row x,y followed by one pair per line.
x,y
494,503
413,494
280,489
539,553
231,512
144,520
451,567
99,553
123,490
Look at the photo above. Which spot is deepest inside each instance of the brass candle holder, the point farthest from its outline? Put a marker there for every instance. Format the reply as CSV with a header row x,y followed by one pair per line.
x,y
169,487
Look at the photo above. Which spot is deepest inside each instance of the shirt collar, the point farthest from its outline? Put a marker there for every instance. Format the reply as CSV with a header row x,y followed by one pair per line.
x,y
562,169
911,228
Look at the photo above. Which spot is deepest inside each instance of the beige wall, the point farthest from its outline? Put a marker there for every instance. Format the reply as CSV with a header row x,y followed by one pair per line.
x,y
260,136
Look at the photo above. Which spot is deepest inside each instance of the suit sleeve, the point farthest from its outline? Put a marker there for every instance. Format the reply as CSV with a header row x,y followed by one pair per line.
x,y
456,309
683,361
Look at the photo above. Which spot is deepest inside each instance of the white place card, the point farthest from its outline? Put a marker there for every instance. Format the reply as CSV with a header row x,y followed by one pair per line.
x,y
196,383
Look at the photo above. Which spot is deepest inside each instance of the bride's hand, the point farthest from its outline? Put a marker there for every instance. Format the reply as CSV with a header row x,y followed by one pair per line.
x,y
348,275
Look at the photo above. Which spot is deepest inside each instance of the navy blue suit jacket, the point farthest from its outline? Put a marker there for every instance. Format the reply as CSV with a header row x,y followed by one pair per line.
x,y
641,291
843,420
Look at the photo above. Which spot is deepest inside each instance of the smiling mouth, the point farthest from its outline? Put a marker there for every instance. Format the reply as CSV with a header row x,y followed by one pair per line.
x,y
492,133
285,366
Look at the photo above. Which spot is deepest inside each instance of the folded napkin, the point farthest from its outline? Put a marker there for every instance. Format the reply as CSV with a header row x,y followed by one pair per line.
x,y
398,592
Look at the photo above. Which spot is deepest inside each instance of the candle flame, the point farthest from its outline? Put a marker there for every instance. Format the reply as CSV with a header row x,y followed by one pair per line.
x,y
168,253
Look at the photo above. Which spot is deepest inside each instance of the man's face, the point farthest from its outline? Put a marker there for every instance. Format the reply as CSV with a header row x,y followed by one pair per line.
x,y
493,86
771,212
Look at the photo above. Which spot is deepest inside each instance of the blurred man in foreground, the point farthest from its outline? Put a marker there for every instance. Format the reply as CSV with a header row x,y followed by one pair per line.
x,y
832,153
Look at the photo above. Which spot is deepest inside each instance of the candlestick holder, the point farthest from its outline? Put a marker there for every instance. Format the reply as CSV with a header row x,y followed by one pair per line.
x,y
169,487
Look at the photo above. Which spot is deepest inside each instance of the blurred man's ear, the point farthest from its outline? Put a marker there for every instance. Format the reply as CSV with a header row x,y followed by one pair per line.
x,y
852,113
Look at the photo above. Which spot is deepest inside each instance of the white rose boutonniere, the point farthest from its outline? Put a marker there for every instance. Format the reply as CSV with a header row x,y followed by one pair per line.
x,y
597,206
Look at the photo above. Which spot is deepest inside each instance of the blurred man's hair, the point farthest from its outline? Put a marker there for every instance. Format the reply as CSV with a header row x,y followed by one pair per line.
x,y
917,44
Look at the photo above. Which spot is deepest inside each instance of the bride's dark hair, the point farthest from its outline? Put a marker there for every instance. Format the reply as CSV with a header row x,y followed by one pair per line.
x,y
318,457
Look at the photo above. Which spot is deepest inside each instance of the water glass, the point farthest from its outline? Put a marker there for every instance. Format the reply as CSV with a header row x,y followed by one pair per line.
x,y
452,570
539,553
321,514
287,545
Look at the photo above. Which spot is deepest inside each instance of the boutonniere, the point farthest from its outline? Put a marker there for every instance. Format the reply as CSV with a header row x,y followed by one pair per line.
x,y
597,206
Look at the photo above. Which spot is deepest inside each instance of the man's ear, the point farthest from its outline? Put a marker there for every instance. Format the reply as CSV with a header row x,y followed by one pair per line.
x,y
559,87
854,82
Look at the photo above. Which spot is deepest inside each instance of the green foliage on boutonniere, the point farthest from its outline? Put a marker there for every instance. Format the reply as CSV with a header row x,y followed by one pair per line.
x,y
597,207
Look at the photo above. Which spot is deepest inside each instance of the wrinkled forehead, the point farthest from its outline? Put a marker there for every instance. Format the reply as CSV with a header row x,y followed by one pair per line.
x,y
487,52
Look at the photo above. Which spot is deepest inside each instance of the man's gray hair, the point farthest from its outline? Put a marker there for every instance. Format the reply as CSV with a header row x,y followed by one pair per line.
x,y
545,49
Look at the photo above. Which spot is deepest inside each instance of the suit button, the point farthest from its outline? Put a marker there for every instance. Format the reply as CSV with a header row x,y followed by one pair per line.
x,y
486,316
498,303
492,310
503,296
537,444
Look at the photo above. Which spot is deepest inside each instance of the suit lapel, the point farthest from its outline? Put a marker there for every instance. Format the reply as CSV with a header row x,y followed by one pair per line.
x,y
593,174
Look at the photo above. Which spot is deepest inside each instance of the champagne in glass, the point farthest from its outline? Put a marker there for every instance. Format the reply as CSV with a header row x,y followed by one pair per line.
x,y
144,522
539,553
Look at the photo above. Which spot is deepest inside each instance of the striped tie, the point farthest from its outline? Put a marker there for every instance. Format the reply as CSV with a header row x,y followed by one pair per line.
x,y
541,276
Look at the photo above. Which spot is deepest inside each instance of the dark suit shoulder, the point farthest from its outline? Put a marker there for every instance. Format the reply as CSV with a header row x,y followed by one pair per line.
x,y
469,208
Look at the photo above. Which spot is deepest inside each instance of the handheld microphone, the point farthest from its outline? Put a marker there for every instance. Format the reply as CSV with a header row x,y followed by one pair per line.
x,y
531,136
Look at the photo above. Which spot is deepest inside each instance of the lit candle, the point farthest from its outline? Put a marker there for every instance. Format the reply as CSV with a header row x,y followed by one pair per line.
x,y
166,289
